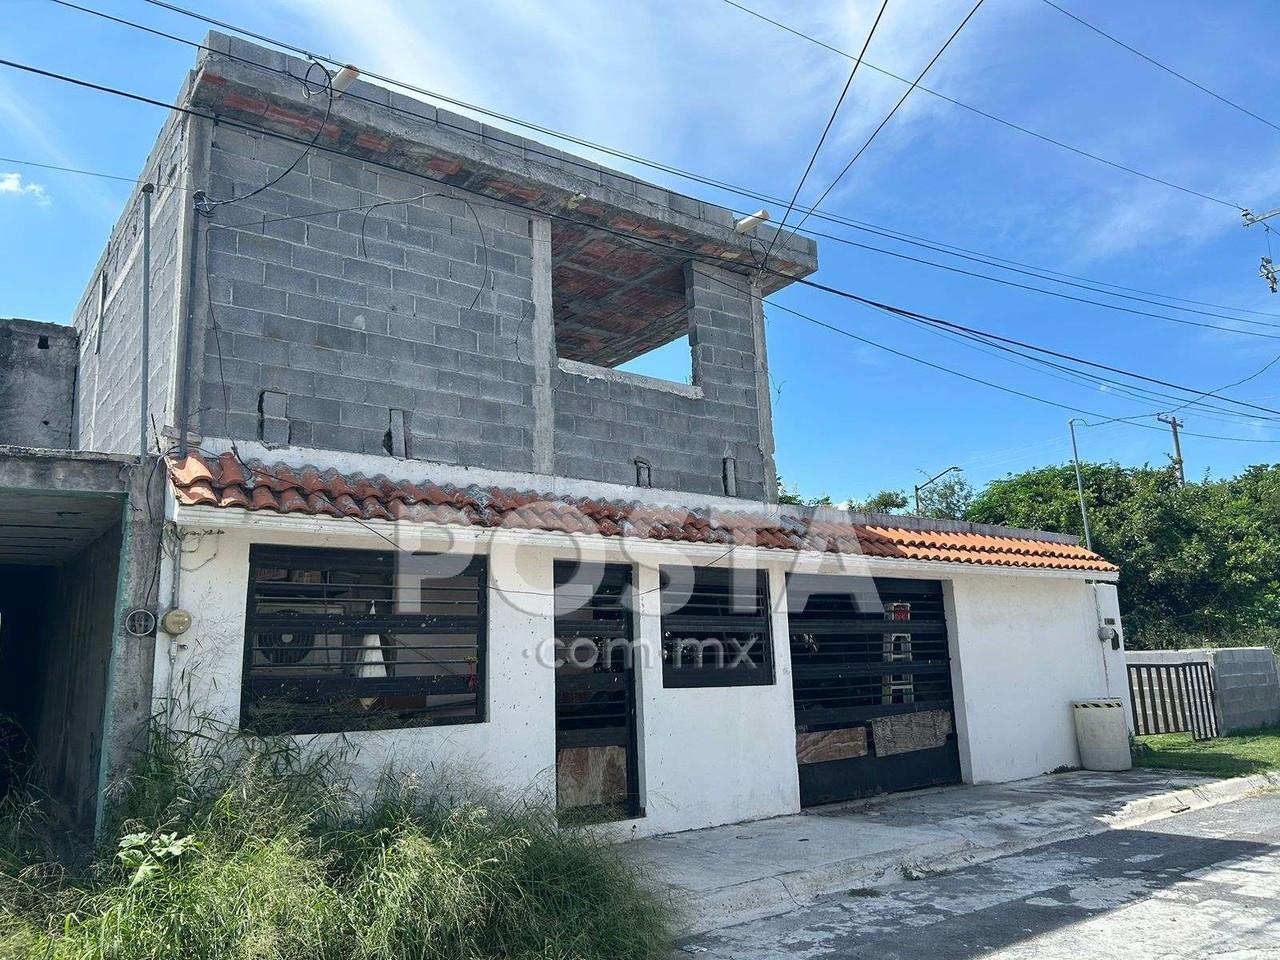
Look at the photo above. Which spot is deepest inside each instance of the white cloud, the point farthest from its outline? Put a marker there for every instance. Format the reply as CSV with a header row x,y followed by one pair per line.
x,y
26,125
12,185
706,88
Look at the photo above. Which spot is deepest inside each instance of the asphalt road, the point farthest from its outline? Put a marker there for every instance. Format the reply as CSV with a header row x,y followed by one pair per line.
x,y
1201,884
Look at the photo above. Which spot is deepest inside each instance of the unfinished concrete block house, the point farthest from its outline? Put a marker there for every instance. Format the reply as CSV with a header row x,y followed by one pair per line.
x,y
417,505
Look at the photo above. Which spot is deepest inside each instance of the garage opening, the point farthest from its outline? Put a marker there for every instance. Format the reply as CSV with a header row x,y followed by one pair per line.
x,y
59,565
871,675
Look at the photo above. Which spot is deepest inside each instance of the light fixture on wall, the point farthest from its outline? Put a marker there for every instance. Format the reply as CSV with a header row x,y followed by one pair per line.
x,y
343,79
750,222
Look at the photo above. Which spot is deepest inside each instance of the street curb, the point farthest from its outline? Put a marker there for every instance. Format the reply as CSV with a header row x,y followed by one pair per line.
x,y
770,896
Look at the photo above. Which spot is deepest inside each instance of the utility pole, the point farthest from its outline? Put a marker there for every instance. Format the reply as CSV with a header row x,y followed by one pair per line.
x,y
1174,423
1084,511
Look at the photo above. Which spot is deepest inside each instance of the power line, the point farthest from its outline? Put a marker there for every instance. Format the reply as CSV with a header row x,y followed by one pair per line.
x,y
991,259
88,173
685,252
1161,66
1020,343
1040,276
1072,375
938,246
826,130
988,383
812,209
989,116
876,132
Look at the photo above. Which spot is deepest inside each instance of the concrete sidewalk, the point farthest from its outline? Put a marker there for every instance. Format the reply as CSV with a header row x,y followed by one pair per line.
x,y
732,874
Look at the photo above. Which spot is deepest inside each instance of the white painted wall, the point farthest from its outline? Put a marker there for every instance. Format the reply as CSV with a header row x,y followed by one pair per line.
x,y
715,755
707,756
1024,645
514,748
1023,648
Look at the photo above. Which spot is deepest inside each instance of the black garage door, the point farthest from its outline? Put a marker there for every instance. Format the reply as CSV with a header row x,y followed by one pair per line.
x,y
871,674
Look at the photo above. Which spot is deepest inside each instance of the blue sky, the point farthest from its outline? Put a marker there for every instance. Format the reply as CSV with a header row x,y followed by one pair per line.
x,y
705,87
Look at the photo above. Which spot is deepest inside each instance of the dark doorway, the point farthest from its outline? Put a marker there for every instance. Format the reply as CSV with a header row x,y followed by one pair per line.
x,y
871,674
57,620
597,775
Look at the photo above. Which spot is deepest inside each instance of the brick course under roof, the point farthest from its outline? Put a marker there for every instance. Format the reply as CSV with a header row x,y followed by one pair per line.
x,y
224,481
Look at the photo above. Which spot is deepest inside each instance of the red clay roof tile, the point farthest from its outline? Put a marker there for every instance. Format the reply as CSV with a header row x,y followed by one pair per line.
x,y
226,482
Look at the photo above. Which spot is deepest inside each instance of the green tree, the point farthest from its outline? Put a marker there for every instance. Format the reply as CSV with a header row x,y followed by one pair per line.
x,y
1200,560
886,501
793,498
947,499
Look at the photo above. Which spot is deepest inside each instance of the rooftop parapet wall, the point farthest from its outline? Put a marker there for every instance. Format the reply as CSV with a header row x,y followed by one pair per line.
x,y
263,88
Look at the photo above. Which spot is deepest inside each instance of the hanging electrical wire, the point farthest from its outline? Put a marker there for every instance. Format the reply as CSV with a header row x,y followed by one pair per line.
x,y
896,107
938,246
695,255
791,204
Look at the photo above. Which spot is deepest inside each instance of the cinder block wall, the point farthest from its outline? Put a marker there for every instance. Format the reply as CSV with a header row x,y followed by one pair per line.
x,y
38,385
1248,688
319,339
603,424
1246,682
322,340
108,318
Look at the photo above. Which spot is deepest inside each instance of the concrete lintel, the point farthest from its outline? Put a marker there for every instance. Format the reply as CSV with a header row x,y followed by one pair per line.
x,y
64,471
611,375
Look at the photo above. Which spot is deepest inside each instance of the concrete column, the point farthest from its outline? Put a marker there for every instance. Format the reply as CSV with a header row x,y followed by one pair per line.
x,y
780,628
192,302
648,662
764,404
544,349
952,612
521,686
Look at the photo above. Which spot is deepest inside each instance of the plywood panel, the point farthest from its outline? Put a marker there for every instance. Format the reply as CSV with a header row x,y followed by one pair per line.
x,y
591,776
911,731
831,745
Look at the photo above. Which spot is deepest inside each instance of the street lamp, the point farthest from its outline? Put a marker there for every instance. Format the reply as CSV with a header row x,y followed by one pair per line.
x,y
921,486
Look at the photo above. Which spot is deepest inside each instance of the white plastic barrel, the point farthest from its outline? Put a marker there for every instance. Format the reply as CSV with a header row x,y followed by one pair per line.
x,y
1103,734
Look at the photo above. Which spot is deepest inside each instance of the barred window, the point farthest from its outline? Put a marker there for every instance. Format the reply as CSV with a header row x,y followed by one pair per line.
x,y
339,640
715,627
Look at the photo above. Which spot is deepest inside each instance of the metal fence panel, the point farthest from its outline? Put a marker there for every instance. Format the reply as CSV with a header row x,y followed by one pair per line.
x,y
1173,698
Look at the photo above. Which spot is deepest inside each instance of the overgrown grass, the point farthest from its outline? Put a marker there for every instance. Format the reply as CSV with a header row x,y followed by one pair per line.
x,y
259,854
1224,757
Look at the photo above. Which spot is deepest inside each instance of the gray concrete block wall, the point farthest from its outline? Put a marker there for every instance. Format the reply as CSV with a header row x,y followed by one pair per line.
x,y
422,329
37,389
110,330
1246,682
603,425
1248,688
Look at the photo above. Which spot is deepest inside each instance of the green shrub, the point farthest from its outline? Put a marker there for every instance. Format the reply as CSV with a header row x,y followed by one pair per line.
x,y
249,851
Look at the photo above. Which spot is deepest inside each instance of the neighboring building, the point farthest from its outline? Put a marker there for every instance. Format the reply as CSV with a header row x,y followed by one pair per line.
x,y
418,511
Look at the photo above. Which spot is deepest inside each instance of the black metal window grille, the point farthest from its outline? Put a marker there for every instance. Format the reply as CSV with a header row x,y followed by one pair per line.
x,y
866,650
342,640
715,627
593,647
